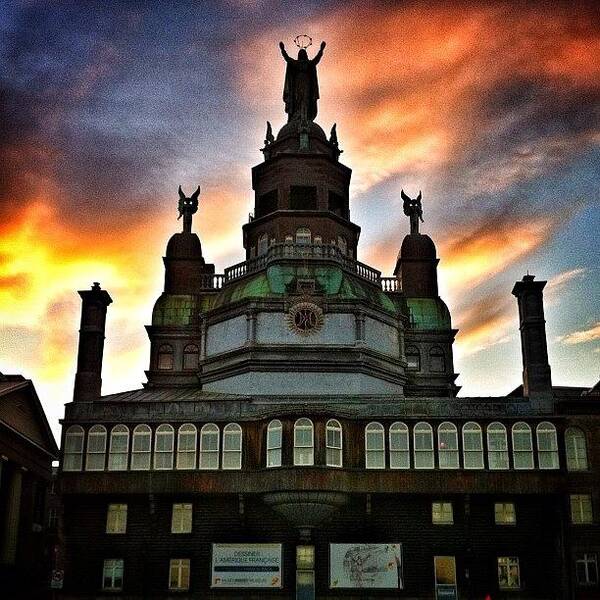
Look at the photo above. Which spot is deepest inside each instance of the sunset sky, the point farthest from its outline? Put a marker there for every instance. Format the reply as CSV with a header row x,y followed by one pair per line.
x,y
490,108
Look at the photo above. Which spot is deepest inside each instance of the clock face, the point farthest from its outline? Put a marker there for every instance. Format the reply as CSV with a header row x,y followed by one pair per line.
x,y
305,318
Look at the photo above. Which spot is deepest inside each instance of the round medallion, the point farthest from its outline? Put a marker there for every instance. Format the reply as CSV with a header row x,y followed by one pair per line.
x,y
305,318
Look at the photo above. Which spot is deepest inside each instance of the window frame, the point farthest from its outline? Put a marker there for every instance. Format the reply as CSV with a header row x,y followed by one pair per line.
x,y
116,519
141,431
334,427
493,452
546,427
181,565
508,562
412,351
587,558
165,350
115,456
522,428
469,453
98,431
208,454
190,350
272,449
304,424
164,429
500,511
573,451
182,462
116,563
232,430
584,515
185,523
449,453
421,428
303,236
374,428
444,516
399,429
73,459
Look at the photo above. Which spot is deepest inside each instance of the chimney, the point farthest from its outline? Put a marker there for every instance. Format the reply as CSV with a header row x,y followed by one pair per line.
x,y
537,379
88,379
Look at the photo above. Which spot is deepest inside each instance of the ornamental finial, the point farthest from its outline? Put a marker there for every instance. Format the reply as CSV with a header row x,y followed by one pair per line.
x,y
414,210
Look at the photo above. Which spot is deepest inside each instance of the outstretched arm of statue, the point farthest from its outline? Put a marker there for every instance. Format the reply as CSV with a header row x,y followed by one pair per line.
x,y
319,55
283,52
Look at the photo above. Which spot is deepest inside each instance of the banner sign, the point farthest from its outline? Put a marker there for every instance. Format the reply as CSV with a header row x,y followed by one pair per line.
x,y
365,566
246,566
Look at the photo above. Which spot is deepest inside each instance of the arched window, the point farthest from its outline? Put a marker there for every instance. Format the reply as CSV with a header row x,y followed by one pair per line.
x,y
547,446
472,446
333,443
303,236
165,357
209,447
73,453
141,447
399,446
374,446
263,244
423,446
96,448
576,449
448,446
190,357
118,451
413,358
437,360
274,443
522,446
304,448
186,446
342,244
497,447
232,446
164,444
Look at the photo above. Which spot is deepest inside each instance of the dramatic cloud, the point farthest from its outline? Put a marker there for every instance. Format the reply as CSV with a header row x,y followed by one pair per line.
x,y
582,337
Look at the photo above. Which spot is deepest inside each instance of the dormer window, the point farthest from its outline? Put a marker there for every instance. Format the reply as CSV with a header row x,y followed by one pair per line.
x,y
303,236
165,357
190,357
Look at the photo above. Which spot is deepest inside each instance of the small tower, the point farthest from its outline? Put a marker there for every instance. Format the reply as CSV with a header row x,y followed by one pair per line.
x,y
537,379
88,379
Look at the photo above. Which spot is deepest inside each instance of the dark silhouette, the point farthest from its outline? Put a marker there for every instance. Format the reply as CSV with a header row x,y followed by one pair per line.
x,y
188,207
414,210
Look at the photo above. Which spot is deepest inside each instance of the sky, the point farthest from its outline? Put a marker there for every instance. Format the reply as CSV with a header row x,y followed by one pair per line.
x,y
490,108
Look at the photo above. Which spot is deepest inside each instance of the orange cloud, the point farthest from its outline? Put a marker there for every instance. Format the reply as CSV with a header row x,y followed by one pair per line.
x,y
582,337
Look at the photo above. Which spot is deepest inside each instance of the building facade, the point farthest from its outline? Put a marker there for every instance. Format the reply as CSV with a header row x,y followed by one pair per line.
x,y
300,434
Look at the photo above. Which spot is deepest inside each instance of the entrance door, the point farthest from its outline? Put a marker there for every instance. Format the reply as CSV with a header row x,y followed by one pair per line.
x,y
444,568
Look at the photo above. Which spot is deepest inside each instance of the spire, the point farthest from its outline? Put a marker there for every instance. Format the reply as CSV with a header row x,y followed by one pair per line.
x,y
187,208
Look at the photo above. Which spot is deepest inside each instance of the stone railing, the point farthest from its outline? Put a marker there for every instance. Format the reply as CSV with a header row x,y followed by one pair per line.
x,y
389,284
212,281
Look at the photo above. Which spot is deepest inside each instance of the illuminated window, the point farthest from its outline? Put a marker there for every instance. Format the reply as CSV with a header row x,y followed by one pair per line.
x,y
141,448
73,453
547,446
576,448
441,513
374,446
522,446
232,446
116,518
399,446
333,443
423,446
96,448
504,513
209,447
274,443
112,575
472,446
179,574
165,357
497,447
181,518
509,576
303,236
186,446
581,509
164,443
413,359
190,357
304,442
448,446
118,452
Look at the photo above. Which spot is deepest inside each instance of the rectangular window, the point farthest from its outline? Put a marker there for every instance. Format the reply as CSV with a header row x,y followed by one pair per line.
x,y
179,574
581,509
586,566
267,203
303,197
181,520
116,518
504,513
509,576
112,575
441,513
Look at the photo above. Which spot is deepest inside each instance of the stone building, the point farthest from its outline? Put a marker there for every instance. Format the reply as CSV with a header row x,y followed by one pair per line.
x,y
27,449
300,433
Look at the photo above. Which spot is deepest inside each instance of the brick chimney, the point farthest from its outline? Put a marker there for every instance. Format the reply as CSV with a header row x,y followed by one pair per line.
x,y
537,378
88,379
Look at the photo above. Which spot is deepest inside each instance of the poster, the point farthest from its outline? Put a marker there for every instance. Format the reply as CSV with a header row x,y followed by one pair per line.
x,y
365,566
246,566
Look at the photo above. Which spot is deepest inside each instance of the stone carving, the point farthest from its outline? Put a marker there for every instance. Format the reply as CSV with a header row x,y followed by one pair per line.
x,y
305,318
414,210
188,207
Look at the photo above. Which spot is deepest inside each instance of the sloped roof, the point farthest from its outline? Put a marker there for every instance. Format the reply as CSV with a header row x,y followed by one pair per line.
x,y
168,394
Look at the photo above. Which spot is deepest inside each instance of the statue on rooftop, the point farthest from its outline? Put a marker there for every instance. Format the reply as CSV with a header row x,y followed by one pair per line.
x,y
301,87
414,210
187,207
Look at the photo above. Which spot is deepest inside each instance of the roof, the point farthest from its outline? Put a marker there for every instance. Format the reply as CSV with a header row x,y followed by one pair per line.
x,y
28,420
168,395
428,313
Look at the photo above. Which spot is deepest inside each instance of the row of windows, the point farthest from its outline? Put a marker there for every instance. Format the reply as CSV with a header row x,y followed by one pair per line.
x,y
437,359
303,236
301,198
509,572
227,454
166,357
213,452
